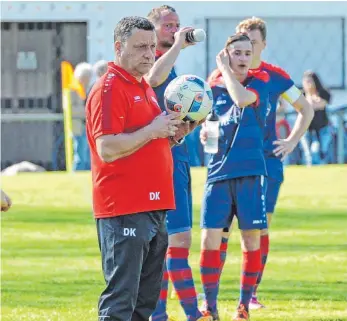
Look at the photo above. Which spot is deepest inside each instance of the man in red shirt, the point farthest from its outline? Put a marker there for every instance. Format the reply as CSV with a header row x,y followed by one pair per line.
x,y
132,174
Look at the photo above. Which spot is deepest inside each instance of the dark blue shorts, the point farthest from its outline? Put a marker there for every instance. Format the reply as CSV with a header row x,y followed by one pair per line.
x,y
272,192
243,197
181,219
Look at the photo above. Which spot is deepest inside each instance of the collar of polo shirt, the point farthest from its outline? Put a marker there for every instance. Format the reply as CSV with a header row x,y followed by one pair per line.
x,y
123,73
158,53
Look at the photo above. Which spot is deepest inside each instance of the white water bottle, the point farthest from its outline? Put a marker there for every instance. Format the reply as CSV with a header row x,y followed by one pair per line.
x,y
196,35
212,127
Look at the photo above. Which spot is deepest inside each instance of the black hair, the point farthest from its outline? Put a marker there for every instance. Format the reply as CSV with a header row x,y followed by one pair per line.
x,y
321,90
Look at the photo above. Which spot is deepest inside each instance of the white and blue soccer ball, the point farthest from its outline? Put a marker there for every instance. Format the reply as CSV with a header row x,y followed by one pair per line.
x,y
191,96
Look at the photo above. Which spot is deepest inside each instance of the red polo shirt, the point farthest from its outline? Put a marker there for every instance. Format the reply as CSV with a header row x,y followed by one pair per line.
x,y
142,181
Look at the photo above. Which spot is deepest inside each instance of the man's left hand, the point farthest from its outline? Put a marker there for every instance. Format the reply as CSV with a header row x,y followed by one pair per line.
x,y
284,148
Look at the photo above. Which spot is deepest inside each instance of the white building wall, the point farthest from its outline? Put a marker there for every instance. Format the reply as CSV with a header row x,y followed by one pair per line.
x,y
103,16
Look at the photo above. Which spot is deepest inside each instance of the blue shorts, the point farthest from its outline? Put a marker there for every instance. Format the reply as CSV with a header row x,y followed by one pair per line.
x,y
181,219
272,192
243,197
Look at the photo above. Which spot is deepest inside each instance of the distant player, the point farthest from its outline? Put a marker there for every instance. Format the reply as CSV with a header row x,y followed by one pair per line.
x,y
280,85
171,40
6,202
236,174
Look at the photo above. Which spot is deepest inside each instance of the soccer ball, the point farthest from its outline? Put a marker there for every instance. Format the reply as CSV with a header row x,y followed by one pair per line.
x,y
191,96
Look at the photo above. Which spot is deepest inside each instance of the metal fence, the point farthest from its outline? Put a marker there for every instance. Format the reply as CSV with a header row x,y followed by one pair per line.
x,y
337,128
55,155
31,53
294,43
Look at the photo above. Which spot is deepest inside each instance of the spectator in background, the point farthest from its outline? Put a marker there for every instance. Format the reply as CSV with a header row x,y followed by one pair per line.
x,y
100,68
319,98
83,73
6,202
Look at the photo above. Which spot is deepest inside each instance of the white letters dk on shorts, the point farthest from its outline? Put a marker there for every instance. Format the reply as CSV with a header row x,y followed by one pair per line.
x,y
129,231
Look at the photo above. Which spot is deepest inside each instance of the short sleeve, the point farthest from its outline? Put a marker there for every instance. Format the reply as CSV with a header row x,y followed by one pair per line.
x,y
280,80
108,107
292,94
281,83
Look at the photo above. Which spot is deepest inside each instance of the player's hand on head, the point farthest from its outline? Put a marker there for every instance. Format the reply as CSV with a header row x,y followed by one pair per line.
x,y
6,202
284,148
203,134
165,125
223,59
180,37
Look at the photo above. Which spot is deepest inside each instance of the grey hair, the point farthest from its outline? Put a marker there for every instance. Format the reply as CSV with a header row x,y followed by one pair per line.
x,y
82,70
125,27
155,13
100,67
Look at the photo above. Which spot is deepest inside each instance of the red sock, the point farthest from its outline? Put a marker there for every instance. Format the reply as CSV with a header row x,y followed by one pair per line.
x,y
250,269
264,249
210,263
181,276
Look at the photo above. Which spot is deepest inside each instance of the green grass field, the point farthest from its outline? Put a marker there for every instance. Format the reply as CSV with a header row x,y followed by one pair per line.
x,y
51,267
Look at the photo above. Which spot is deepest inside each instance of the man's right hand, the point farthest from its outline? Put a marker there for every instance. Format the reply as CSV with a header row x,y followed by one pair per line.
x,y
165,125
203,134
223,60
180,37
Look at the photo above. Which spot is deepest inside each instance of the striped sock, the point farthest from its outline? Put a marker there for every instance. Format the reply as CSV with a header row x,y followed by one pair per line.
x,y
250,270
210,263
264,249
160,311
181,276
223,253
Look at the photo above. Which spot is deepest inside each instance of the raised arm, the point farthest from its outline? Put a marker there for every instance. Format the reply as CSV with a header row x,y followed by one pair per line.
x,y
238,93
162,67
